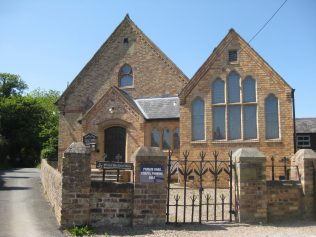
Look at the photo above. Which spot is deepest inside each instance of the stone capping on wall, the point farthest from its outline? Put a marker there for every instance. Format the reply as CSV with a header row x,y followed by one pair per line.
x,y
52,187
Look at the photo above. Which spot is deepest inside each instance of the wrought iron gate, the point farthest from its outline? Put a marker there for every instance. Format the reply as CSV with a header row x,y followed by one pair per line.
x,y
200,190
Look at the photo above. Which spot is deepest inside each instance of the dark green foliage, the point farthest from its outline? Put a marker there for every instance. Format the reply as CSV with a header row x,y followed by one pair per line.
x,y
21,122
28,124
81,231
11,85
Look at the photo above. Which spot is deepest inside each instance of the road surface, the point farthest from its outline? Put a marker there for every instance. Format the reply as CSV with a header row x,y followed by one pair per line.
x,y
24,212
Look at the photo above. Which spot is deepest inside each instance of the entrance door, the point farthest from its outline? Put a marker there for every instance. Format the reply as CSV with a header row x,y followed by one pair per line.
x,y
115,141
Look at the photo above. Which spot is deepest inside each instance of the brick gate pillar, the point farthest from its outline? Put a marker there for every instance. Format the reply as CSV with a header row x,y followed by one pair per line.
x,y
250,185
76,184
150,187
305,160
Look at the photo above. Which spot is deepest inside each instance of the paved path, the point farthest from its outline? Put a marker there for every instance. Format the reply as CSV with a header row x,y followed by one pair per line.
x,y
24,212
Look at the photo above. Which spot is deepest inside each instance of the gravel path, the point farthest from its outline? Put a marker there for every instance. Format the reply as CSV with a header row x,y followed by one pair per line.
x,y
288,229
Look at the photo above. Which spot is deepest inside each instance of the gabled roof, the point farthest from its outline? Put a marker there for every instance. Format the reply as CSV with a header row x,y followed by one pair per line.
x,y
127,98
159,108
305,125
126,22
232,34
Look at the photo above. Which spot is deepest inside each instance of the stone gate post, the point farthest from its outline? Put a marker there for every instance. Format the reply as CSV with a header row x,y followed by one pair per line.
x,y
305,160
76,184
150,193
250,185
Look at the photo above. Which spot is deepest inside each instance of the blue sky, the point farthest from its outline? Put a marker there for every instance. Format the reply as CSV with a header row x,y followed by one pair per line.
x,y
48,42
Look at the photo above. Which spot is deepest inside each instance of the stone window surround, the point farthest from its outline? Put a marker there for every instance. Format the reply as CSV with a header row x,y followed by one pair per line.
x,y
121,74
279,139
241,104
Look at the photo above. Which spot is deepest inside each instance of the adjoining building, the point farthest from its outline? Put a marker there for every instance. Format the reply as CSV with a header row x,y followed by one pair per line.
x,y
130,94
306,133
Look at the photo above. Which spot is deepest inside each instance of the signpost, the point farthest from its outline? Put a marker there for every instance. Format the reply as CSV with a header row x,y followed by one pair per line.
x,y
108,165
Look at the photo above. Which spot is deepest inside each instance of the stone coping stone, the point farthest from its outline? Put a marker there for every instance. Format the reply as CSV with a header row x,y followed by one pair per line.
x,y
248,155
283,183
77,148
111,187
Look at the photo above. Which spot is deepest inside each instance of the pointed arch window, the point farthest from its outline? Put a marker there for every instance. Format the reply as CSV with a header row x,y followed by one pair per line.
x,y
198,119
233,118
272,117
126,76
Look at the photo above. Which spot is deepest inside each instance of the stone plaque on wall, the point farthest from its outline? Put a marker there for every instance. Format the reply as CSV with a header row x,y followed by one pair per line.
x,y
151,174
89,138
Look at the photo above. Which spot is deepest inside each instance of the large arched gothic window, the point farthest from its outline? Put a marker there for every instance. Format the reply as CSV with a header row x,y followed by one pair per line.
x,y
126,76
272,117
234,118
198,119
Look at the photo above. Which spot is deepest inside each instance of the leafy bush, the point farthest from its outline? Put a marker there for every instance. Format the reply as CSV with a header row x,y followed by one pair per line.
x,y
80,231
49,153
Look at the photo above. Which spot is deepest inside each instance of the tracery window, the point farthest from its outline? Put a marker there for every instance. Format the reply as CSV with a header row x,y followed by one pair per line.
x,y
126,76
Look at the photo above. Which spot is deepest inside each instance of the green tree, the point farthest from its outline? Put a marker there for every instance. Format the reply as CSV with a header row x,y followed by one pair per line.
x,y
49,130
22,119
11,85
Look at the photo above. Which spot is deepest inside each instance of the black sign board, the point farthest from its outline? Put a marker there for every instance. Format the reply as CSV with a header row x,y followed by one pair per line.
x,y
151,174
114,165
89,139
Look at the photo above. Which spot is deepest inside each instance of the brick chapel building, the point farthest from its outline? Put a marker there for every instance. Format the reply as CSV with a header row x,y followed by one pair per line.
x,y
131,94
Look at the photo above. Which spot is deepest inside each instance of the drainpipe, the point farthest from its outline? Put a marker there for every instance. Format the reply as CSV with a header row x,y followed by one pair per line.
x,y
294,123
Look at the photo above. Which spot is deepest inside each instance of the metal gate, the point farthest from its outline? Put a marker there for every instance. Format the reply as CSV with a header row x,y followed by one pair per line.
x,y
200,190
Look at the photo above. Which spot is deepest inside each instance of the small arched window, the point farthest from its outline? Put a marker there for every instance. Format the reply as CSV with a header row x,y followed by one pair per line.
x,y
155,137
249,89
198,119
166,139
176,139
272,117
233,87
218,95
126,76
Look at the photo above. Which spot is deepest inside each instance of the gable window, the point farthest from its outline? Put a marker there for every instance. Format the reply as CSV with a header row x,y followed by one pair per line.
x,y
198,119
126,76
234,119
272,117
303,141
232,56
155,137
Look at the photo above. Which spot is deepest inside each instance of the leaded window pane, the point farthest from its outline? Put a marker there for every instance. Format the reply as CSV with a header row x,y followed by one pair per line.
x,y
166,139
272,117
219,119
155,138
250,121
233,88
249,90
126,69
234,128
218,94
198,120
126,80
176,139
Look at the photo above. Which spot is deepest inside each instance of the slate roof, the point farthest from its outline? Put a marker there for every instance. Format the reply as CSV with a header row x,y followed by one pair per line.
x,y
159,107
305,125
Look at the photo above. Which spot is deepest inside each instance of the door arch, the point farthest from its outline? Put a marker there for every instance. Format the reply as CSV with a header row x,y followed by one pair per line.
x,y
115,143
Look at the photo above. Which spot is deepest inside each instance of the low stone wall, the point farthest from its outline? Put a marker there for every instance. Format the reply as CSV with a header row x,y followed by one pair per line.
x,y
284,200
111,204
52,187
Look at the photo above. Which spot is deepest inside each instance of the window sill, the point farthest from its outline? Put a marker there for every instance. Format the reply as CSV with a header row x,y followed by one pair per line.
x,y
199,142
126,87
273,140
235,141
